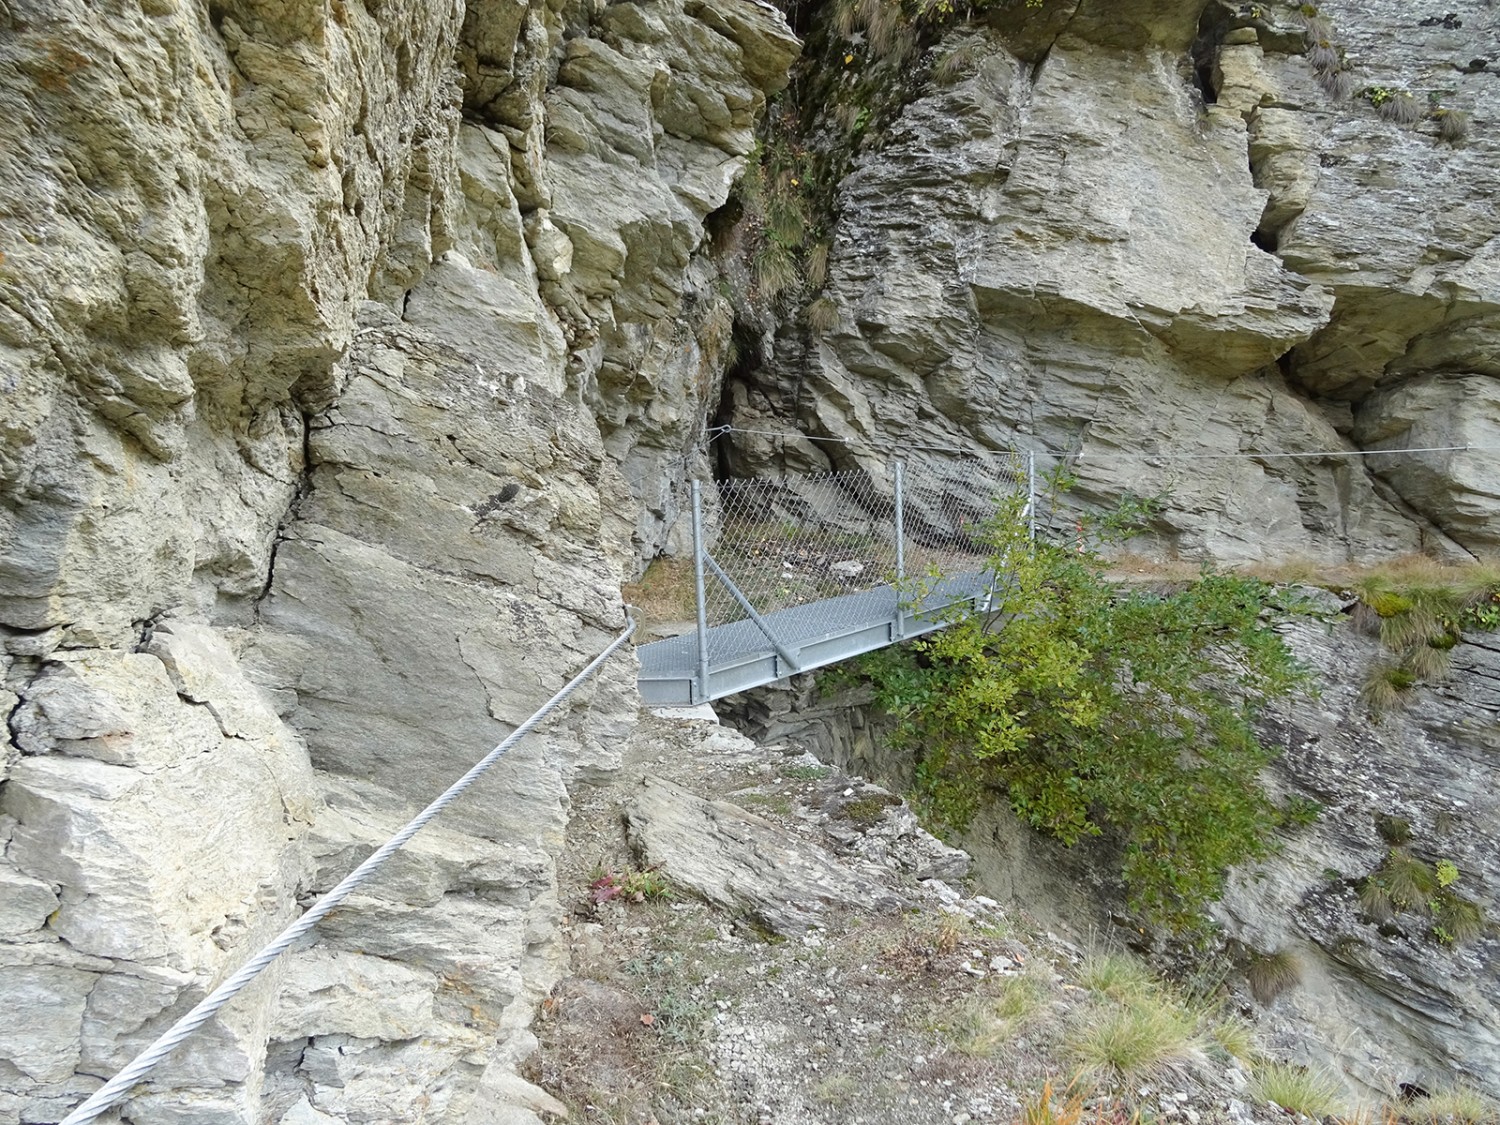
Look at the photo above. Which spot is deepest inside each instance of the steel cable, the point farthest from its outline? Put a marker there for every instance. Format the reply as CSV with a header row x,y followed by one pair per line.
x,y
113,1090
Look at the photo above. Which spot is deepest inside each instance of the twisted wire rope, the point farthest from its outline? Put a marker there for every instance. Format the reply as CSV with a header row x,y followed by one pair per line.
x,y
116,1088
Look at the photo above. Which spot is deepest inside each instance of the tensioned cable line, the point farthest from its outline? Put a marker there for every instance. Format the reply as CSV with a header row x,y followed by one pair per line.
x,y
113,1090
1083,455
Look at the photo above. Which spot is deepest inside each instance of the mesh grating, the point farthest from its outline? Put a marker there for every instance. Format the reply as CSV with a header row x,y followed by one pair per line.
x,y
818,541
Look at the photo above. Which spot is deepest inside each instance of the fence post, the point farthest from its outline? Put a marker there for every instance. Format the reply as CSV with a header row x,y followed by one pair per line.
x,y
899,472
1031,496
698,589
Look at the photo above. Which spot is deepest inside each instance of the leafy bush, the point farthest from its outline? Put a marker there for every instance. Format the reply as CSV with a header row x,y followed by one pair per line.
x,y
1090,708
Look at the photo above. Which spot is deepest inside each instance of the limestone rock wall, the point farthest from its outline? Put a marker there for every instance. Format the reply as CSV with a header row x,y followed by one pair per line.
x,y
1140,242
349,356
1386,998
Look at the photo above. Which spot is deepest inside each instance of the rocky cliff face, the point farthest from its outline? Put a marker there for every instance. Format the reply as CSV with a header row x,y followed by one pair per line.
x,y
1141,242
1381,1000
352,354
349,355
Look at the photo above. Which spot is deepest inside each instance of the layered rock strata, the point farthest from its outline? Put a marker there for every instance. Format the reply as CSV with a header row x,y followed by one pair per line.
x,y
324,333
1154,247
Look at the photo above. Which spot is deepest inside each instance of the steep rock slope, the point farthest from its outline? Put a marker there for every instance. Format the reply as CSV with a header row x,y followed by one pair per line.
x,y
1143,238
1380,1000
314,321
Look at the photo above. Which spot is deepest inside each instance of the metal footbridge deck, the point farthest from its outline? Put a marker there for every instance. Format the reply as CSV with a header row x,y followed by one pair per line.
x,y
794,573
806,637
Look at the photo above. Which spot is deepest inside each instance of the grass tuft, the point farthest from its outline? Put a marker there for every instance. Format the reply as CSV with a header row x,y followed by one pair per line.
x,y
1323,56
775,270
665,593
1340,85
1375,900
1116,975
1401,108
955,64
1408,880
1428,664
1453,126
1384,687
817,265
1122,1043
1297,1089
1456,919
1458,1106
1271,974
981,1026
1394,830
822,315
1234,1038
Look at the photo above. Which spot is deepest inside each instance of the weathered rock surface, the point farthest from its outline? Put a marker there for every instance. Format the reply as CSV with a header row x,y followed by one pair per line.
x,y
1145,268
154,831
1380,1001
741,862
1394,1002
310,317
355,357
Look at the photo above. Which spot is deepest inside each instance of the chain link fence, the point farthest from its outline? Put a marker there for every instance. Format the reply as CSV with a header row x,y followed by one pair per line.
x,y
819,541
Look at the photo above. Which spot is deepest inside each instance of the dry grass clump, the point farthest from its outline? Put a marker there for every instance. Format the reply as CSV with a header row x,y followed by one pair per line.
x,y
1117,976
1323,55
817,265
1458,1106
957,63
1272,974
822,315
1297,1089
982,1025
665,593
1048,1108
1384,688
1401,108
1117,1044
1456,919
1339,85
1453,125
1233,1037
1314,25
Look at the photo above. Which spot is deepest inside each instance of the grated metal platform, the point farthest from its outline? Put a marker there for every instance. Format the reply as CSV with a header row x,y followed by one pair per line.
x,y
741,656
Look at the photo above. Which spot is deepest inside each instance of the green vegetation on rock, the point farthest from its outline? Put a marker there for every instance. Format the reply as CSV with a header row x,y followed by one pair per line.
x,y
1089,709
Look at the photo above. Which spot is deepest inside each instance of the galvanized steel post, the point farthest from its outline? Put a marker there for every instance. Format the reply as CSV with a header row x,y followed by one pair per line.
x,y
1031,496
899,472
698,587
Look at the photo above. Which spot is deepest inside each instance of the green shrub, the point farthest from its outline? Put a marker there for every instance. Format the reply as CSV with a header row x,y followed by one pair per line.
x,y
1094,709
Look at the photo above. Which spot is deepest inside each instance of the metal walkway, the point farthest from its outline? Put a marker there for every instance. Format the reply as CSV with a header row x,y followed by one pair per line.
x,y
806,571
743,656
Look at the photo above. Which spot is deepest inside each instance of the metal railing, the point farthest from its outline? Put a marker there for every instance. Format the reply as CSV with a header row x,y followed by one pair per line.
x,y
810,568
